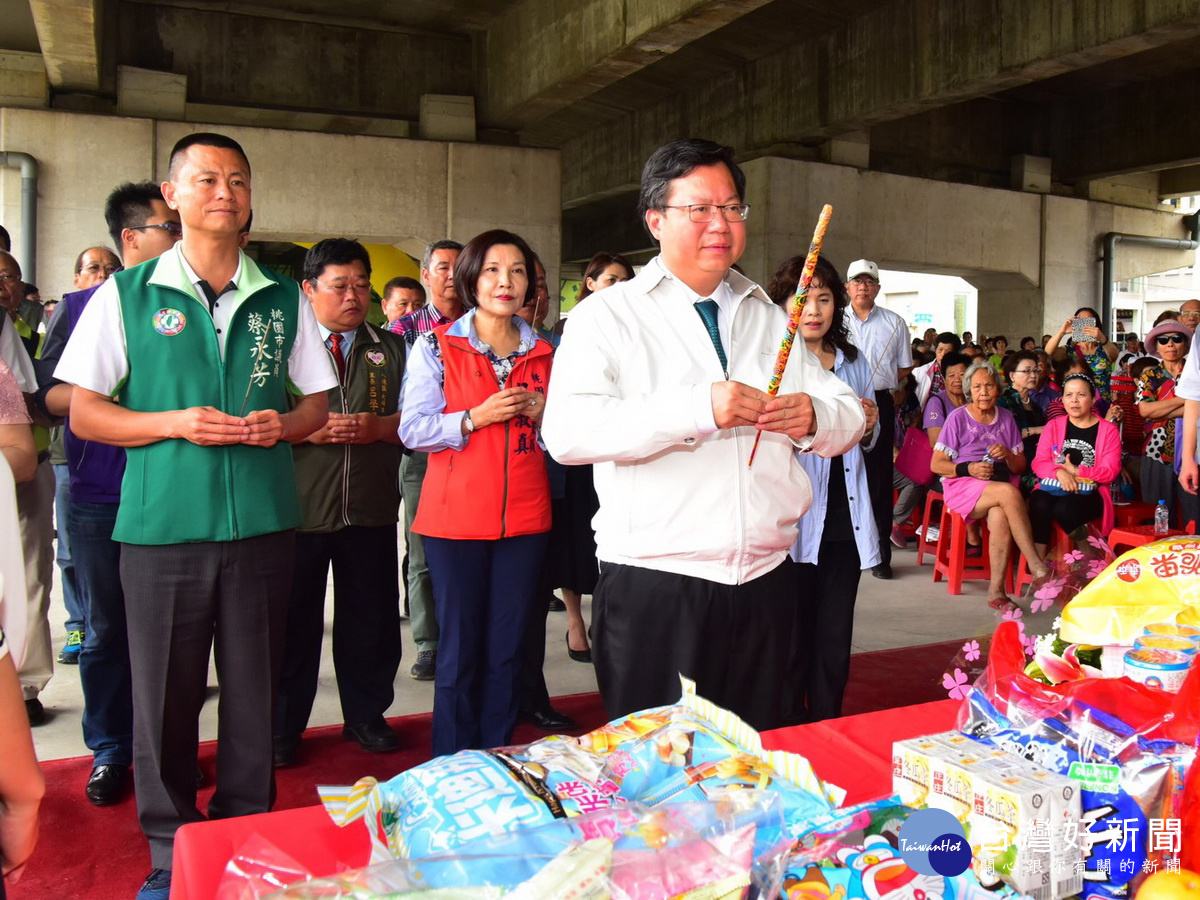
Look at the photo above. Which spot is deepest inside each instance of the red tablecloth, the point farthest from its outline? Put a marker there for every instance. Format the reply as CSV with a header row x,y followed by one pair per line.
x,y
854,753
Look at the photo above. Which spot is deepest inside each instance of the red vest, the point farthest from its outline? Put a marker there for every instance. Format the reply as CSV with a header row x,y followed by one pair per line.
x,y
496,486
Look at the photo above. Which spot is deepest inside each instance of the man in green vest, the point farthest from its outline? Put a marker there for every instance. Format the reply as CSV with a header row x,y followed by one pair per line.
x,y
204,366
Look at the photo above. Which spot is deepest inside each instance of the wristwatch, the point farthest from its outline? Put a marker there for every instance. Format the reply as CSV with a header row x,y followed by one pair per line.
x,y
467,423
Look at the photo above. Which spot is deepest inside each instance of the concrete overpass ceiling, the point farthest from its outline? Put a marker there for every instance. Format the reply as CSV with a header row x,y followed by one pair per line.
x,y
454,16
17,31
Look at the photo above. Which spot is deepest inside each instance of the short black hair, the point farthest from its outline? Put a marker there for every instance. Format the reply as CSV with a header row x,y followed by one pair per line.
x,y
5,239
954,358
203,139
949,337
1010,362
404,283
675,160
334,252
445,244
129,205
470,263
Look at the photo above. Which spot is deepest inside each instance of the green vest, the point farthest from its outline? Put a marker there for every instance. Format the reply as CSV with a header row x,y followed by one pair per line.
x,y
175,491
356,484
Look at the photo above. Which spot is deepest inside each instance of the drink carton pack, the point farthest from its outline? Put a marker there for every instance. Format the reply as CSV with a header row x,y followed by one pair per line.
x,y
1021,820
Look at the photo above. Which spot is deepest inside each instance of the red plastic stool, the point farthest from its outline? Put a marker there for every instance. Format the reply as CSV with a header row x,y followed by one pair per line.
x,y
1059,543
951,560
1136,536
1135,513
924,545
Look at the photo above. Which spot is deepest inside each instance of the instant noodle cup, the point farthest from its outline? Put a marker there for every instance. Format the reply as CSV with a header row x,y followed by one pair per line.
x,y
1147,585
1161,642
1163,669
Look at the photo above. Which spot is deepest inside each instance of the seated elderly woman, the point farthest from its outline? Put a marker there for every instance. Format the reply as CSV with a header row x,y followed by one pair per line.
x,y
980,457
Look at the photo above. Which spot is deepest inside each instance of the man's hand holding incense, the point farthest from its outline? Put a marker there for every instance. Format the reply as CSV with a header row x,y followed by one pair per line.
x,y
735,403
790,414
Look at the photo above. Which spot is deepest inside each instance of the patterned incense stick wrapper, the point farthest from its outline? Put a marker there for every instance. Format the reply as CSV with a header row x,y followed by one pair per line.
x,y
806,274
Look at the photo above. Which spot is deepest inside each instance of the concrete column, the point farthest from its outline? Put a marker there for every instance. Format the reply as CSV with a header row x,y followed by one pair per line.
x,y
1033,257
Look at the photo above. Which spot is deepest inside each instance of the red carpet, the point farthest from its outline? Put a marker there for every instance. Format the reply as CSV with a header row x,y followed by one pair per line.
x,y
100,854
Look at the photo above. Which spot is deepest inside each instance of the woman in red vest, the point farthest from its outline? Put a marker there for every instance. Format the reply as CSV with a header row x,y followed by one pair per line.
x,y
474,395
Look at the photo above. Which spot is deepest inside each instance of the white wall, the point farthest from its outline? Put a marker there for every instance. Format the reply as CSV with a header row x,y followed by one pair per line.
x,y
306,185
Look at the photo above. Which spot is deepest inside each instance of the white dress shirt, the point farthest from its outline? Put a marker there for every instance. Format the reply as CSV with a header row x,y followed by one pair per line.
x,y
95,357
634,365
883,336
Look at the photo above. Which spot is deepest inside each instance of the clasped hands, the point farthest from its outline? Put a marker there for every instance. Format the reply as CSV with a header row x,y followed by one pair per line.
x,y
209,427
735,403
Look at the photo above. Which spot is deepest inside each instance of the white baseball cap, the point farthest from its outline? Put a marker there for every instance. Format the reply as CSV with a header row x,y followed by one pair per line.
x,y
862,267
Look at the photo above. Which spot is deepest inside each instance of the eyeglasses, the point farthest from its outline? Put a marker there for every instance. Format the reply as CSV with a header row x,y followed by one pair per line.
x,y
359,287
96,269
706,212
1190,314
5,278
172,228
1170,339
1027,371
863,279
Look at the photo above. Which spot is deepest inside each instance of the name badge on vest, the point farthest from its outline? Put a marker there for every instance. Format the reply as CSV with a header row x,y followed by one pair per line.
x,y
169,322
376,357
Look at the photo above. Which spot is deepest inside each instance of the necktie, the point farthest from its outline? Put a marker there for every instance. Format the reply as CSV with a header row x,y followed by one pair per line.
x,y
335,347
708,312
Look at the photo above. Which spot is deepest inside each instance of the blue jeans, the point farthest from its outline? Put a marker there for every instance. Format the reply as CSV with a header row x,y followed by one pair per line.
x,y
66,564
104,660
484,594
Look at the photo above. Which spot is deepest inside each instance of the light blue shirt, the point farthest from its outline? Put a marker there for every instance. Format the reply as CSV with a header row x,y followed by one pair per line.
x,y
425,426
811,526
347,339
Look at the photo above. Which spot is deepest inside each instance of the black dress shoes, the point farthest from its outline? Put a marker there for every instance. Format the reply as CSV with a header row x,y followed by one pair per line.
x,y
286,751
374,736
107,785
883,570
550,719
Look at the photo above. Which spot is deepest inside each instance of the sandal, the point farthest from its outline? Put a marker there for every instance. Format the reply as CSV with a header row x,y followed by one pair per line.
x,y
1002,604
974,551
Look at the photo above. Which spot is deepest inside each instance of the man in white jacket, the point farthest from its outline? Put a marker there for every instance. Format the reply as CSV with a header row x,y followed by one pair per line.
x,y
660,382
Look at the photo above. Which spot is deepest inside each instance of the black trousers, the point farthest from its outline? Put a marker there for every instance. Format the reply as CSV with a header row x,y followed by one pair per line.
x,y
181,601
1068,510
366,625
734,641
826,594
879,464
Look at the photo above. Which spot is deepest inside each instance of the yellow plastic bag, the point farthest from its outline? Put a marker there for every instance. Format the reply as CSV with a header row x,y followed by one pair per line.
x,y
1148,584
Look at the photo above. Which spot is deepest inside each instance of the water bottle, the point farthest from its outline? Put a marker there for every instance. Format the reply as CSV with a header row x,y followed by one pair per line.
x,y
1059,456
1160,518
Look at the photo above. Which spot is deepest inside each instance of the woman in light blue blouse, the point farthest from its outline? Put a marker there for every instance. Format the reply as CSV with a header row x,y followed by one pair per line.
x,y
837,536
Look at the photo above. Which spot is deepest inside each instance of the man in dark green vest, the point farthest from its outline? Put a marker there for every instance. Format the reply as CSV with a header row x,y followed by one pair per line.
x,y
348,475
205,367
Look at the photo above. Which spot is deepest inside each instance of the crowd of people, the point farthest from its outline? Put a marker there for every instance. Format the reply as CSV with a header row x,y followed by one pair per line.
x,y
1050,434
227,437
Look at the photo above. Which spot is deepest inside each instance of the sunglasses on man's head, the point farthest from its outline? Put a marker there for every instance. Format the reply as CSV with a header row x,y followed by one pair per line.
x,y
1170,339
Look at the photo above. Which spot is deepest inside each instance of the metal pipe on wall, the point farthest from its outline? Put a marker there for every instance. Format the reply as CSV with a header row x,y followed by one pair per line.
x,y
1110,251
27,258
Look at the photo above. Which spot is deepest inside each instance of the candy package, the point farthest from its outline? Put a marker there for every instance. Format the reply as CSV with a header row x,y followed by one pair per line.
x,y
686,758
861,860
700,851
1145,585
1125,745
452,800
